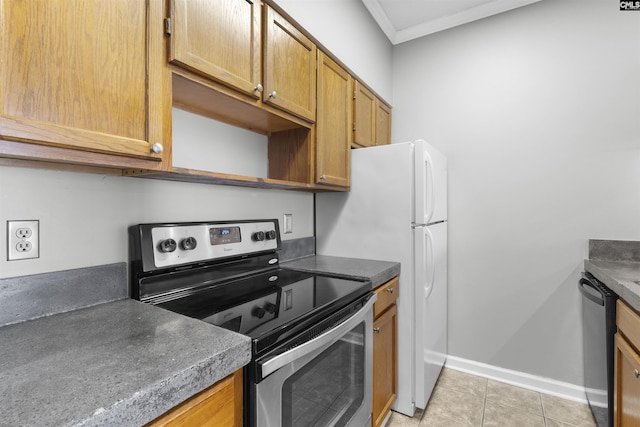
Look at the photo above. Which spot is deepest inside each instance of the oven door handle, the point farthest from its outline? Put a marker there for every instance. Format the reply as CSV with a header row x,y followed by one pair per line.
x,y
325,339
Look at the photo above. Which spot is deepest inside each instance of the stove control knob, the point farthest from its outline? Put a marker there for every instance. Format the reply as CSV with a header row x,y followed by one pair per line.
x,y
258,236
271,234
258,312
189,243
167,245
270,308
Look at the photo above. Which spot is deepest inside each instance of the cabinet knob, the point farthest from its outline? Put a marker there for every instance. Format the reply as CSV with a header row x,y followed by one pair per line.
x,y
273,95
258,88
636,373
157,148
323,177
390,290
376,330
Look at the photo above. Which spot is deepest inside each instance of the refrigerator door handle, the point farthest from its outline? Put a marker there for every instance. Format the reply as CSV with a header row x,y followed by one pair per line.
x,y
431,264
429,197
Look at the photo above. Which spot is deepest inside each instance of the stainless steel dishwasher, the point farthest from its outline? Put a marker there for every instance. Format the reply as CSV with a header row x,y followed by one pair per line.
x,y
599,327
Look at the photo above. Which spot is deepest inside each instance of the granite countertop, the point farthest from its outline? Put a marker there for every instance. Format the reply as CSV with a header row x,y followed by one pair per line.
x,y
622,277
616,263
119,363
378,272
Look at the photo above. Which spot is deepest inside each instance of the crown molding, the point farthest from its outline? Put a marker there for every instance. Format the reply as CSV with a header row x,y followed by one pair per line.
x,y
479,12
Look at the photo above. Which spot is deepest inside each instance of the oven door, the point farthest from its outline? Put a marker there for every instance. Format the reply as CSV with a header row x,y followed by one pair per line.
x,y
325,381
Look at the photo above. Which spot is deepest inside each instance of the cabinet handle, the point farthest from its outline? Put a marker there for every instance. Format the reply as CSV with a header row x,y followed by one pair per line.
x,y
376,330
258,88
390,290
157,148
273,95
636,373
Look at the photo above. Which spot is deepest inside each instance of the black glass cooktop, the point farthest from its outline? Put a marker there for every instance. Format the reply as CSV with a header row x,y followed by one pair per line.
x,y
269,305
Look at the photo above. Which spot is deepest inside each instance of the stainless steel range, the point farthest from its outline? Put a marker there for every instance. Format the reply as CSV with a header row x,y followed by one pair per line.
x,y
311,334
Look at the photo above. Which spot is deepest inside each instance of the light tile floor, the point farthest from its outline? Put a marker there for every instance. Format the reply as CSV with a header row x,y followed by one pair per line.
x,y
461,399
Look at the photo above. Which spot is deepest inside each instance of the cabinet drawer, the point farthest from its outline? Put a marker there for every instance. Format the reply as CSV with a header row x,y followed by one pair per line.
x,y
628,322
387,296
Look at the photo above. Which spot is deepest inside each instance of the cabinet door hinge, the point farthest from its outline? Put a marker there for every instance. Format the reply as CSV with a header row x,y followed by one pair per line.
x,y
354,94
167,26
354,126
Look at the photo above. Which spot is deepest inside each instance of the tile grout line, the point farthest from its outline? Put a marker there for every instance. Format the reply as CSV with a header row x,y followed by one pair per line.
x,y
484,403
544,418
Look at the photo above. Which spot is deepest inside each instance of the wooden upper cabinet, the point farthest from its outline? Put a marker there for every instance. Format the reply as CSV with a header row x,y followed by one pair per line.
x,y
372,118
289,67
364,116
383,124
81,74
333,126
220,40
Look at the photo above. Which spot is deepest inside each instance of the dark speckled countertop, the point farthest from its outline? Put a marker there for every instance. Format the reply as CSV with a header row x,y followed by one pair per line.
x,y
617,264
120,363
622,277
378,272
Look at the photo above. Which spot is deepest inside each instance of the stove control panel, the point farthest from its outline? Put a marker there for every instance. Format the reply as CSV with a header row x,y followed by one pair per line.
x,y
175,244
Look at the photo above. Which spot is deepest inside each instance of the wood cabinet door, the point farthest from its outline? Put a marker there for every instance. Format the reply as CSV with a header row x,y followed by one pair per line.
x,y
626,384
82,74
218,406
384,362
333,125
383,124
289,67
364,116
219,39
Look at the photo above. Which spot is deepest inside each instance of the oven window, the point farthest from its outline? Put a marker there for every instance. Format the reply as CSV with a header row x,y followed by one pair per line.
x,y
328,390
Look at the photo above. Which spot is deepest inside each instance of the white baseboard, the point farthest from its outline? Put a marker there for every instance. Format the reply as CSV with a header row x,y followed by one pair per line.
x,y
519,379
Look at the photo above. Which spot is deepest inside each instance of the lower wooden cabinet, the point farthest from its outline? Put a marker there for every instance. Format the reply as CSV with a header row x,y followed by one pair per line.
x,y
626,394
384,350
218,406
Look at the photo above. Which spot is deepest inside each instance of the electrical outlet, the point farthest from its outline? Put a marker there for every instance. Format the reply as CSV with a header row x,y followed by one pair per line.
x,y
23,240
288,223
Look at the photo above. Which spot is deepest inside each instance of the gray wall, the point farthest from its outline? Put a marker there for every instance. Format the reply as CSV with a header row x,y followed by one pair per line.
x,y
537,111
84,217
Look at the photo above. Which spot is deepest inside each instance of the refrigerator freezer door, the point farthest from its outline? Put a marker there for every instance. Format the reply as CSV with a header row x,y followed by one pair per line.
x,y
430,307
430,184
373,221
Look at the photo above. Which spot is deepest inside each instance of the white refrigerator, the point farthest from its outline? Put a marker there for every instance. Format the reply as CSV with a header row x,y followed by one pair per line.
x,y
397,211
